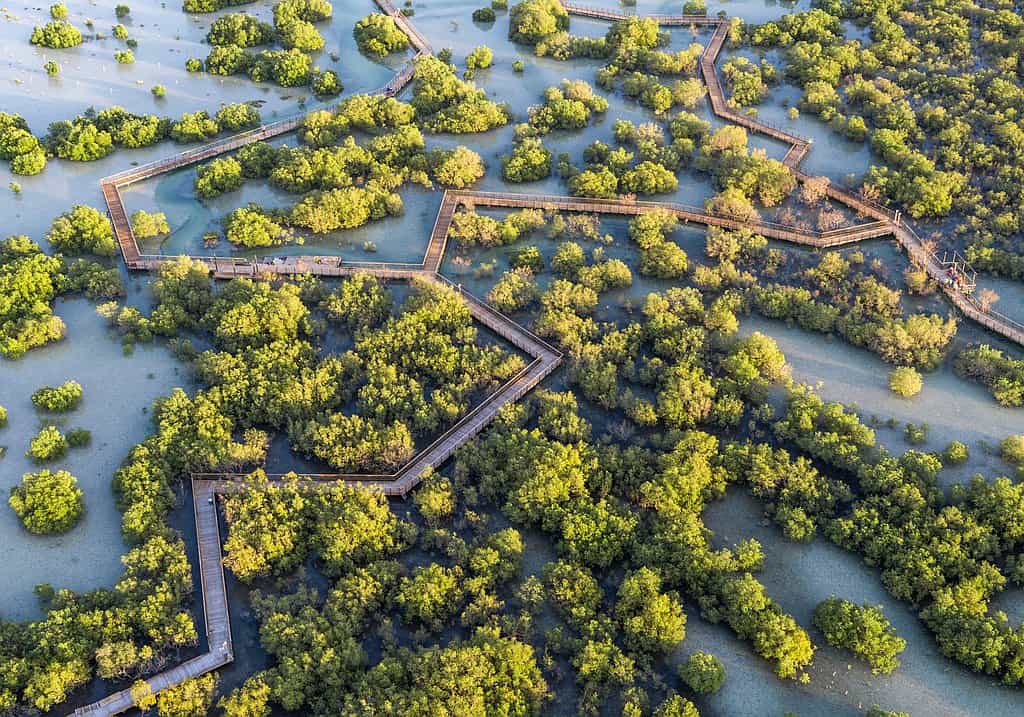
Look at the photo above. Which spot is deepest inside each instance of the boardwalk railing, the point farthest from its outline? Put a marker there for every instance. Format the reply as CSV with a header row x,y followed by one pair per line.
x,y
774,230
545,358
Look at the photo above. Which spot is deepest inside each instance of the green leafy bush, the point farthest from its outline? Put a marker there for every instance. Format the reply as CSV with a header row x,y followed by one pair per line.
x,y
457,168
237,116
955,454
61,399
1012,450
530,161
532,21
1002,374
480,58
327,84
57,34
194,127
147,225
222,174
83,230
46,502
379,35
29,281
79,437
47,445
24,151
240,29
905,381
861,629
703,673
252,227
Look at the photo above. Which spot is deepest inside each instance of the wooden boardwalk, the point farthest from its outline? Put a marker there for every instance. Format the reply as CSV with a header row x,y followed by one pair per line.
x,y
215,613
686,213
798,149
544,358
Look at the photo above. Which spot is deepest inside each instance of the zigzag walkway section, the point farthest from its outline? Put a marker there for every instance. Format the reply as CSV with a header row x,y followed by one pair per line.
x,y
545,359
215,610
799,147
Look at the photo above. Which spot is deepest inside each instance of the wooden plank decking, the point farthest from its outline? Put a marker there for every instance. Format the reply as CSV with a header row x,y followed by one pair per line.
x,y
544,358
205,487
886,221
782,232
215,613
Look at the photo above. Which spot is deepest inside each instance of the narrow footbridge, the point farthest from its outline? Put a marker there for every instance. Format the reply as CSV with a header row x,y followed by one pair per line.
x,y
544,359
205,488
684,212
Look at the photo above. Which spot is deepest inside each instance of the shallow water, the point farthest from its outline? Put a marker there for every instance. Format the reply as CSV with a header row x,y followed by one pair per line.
x,y
954,408
118,391
799,576
90,77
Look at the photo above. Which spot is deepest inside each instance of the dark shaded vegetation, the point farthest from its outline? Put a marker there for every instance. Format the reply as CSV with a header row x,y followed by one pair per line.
x,y
1002,374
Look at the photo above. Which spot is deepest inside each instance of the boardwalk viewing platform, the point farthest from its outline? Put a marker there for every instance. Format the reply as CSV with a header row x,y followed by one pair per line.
x,y
544,359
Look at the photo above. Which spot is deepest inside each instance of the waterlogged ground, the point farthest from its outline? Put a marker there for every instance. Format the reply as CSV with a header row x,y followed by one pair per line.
x,y
119,388
799,576
118,391
90,77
